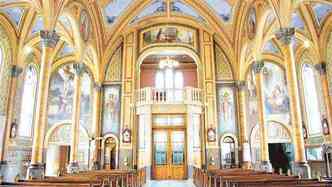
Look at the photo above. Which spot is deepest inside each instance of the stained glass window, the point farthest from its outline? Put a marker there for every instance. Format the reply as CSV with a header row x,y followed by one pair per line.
x,y
311,100
28,102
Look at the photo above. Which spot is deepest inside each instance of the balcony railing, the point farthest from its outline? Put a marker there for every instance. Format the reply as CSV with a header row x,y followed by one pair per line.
x,y
186,95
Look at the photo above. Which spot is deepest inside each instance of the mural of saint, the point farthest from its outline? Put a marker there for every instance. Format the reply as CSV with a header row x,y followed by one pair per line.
x,y
111,109
276,98
251,25
226,110
85,26
61,95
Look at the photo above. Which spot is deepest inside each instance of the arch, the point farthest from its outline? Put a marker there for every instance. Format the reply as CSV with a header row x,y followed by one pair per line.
x,y
57,126
174,50
236,148
104,139
254,140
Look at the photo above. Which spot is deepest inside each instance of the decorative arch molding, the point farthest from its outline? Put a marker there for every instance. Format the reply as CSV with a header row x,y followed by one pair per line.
x,y
284,130
57,126
270,58
176,49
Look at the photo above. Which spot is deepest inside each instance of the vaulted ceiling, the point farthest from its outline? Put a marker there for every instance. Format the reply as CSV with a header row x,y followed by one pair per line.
x,y
226,19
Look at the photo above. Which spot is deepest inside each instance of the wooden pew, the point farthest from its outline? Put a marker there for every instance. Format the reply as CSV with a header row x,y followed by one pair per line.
x,y
250,178
103,178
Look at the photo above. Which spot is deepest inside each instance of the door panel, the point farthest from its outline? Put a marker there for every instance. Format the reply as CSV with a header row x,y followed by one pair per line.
x,y
169,154
160,148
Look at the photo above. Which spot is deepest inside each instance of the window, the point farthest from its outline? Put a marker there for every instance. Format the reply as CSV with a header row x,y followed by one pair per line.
x,y
311,100
228,152
1,58
169,78
28,103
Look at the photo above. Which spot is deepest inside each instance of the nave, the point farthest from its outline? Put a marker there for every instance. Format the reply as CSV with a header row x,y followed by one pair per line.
x,y
187,183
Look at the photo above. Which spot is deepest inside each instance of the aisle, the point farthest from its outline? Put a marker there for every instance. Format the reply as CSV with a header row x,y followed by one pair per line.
x,y
187,183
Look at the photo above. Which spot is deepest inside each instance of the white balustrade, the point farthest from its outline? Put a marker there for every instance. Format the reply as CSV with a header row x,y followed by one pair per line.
x,y
150,95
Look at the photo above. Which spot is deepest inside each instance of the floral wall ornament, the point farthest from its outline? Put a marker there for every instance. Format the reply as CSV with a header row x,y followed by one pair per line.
x,y
211,135
126,135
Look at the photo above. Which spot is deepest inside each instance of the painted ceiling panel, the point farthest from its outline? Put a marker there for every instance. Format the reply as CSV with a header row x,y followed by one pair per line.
x,y
297,21
181,7
15,14
270,47
321,11
115,8
156,7
38,26
223,8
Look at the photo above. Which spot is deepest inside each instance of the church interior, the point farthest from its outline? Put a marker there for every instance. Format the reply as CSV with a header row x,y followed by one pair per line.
x,y
129,93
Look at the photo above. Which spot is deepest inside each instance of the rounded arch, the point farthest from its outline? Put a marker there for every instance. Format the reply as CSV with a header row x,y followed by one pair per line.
x,y
174,50
236,147
117,148
57,126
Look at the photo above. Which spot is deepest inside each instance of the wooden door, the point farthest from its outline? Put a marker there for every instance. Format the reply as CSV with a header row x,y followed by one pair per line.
x,y
169,158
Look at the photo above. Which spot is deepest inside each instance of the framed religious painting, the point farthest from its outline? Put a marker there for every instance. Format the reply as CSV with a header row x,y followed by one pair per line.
x,y
85,25
126,135
211,135
325,127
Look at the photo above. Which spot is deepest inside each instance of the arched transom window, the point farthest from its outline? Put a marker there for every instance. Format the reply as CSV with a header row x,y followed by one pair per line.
x,y
28,102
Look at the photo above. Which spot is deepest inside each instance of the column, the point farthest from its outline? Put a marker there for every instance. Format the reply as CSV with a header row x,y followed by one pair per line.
x,y
257,68
96,126
301,167
49,40
73,166
246,157
321,68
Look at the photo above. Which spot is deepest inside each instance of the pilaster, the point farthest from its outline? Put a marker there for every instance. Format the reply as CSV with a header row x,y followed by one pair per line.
x,y
209,85
96,125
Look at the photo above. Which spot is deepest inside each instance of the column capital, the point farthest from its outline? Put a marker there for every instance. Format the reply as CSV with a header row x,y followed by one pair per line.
x,y
15,71
285,35
49,38
79,68
321,68
98,86
241,85
257,66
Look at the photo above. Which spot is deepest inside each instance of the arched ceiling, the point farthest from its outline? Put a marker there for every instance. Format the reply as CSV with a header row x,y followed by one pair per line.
x,y
226,19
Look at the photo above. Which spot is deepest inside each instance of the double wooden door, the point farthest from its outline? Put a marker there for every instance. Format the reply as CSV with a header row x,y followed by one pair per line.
x,y
169,154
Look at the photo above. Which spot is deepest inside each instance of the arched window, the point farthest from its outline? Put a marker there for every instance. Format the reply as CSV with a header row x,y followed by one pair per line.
x,y
228,152
169,79
311,100
28,102
159,82
1,58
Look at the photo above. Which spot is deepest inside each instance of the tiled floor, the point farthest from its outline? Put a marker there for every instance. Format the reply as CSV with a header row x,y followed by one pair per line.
x,y
187,183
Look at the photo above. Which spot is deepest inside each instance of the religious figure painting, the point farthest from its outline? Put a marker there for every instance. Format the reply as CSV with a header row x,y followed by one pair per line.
x,y
276,98
168,35
61,92
85,26
111,109
226,110
251,25
86,103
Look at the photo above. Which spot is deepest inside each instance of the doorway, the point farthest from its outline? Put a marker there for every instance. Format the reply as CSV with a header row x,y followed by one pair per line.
x,y
169,154
280,155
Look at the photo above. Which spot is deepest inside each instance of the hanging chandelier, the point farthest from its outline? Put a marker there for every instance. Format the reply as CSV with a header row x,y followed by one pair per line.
x,y
168,63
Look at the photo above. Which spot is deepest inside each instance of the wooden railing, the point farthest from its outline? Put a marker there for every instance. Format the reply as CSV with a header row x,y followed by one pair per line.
x,y
187,95
102,178
250,178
